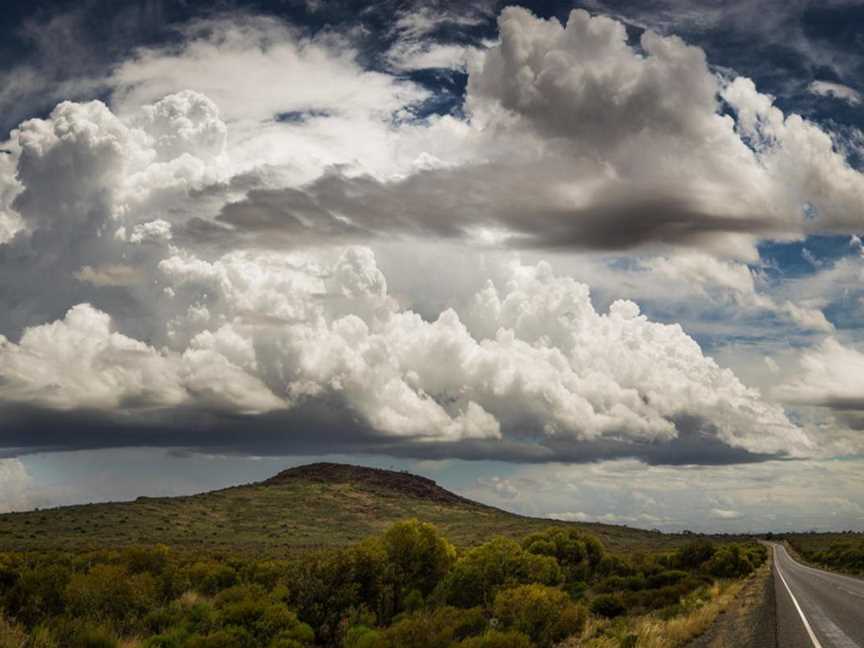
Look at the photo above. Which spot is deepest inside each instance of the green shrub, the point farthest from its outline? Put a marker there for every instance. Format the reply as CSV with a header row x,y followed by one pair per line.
x,y
436,628
285,642
153,560
91,635
496,639
175,638
42,637
730,561
328,587
278,622
232,637
38,593
362,637
577,553
666,578
482,572
109,592
211,577
844,555
266,573
607,605
545,614
694,554
418,555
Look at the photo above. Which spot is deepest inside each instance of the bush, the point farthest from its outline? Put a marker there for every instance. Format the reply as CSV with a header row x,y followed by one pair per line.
x,y
327,588
232,637
251,608
730,561
844,555
437,628
482,572
608,606
109,592
38,593
154,560
666,578
694,554
418,555
362,637
91,636
545,614
211,577
496,639
577,553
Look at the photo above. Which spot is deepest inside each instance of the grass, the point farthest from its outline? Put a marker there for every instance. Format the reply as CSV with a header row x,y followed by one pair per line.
x,y
696,614
290,515
840,552
11,635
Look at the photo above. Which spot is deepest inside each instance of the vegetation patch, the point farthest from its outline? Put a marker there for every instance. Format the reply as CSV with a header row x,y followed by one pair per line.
x,y
841,552
408,586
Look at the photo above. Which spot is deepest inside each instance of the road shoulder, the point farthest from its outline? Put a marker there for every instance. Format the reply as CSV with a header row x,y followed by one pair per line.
x,y
750,620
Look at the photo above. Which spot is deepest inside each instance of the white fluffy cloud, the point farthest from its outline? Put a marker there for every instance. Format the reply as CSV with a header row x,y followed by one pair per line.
x,y
15,484
733,282
272,332
831,374
79,362
119,294
578,138
650,120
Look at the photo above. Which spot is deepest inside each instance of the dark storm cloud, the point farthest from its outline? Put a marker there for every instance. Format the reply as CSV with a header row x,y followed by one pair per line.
x,y
327,426
453,203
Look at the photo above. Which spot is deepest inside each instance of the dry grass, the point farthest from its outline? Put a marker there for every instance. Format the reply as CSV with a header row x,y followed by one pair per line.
x,y
190,598
651,631
11,636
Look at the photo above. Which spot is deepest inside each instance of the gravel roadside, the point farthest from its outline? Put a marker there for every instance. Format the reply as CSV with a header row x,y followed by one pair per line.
x,y
751,620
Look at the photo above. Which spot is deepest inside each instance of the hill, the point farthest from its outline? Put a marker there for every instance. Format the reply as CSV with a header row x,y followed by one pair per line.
x,y
317,505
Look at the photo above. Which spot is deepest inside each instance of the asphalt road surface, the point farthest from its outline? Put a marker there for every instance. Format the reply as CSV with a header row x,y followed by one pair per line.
x,y
815,608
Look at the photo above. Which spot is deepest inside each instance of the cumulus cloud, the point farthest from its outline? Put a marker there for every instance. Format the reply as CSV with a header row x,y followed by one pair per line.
x,y
579,138
831,375
161,270
15,483
732,282
78,181
531,360
78,362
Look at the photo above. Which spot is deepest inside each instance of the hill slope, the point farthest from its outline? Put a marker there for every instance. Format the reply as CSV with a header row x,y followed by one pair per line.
x,y
309,506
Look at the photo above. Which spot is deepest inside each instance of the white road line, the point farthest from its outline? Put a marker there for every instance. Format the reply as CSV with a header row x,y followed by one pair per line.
x,y
807,627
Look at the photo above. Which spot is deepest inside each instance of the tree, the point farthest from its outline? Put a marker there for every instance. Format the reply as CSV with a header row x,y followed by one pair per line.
x,y
419,555
482,572
545,614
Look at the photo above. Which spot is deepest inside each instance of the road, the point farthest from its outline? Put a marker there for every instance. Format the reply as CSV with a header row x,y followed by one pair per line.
x,y
816,608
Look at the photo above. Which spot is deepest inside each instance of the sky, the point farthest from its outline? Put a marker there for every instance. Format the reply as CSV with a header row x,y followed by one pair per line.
x,y
595,260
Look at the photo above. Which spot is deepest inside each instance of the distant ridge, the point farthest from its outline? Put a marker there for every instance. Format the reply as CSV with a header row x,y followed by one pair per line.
x,y
304,508
403,483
